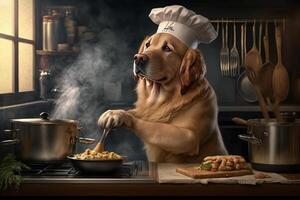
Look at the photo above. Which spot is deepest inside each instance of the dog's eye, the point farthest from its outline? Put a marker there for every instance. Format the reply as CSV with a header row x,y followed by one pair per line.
x,y
147,44
166,48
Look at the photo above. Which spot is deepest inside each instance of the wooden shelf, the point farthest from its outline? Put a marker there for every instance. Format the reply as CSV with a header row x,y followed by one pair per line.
x,y
56,53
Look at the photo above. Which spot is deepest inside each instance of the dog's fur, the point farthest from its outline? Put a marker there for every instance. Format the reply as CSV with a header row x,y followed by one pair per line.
x,y
176,111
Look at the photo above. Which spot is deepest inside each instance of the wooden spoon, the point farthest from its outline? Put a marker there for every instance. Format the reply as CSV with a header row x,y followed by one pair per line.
x,y
253,58
100,146
265,75
280,77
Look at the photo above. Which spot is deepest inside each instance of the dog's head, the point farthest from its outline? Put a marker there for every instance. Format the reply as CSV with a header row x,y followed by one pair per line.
x,y
164,59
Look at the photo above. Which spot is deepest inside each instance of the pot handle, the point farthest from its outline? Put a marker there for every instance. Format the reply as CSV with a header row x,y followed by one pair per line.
x,y
85,140
9,131
250,139
9,142
240,121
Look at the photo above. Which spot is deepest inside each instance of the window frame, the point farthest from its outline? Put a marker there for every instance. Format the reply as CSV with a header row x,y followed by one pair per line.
x,y
16,96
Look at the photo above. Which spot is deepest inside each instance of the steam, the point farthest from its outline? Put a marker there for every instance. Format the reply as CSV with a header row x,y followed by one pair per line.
x,y
98,75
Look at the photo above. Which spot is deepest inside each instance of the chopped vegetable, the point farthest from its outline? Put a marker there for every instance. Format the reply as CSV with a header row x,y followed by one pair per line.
x,y
206,166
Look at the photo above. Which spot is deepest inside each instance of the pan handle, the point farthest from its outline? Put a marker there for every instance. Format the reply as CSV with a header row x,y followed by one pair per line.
x,y
85,140
250,139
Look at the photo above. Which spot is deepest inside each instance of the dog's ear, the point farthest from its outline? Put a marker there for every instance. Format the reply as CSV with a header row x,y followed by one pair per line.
x,y
142,45
192,69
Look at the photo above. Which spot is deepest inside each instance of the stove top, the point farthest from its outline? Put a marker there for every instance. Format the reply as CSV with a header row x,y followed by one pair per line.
x,y
134,171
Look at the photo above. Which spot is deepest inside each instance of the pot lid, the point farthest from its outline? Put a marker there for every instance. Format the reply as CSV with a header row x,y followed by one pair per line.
x,y
44,119
288,119
273,122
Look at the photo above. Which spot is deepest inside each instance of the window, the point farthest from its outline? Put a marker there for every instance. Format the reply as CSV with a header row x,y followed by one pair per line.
x,y
17,50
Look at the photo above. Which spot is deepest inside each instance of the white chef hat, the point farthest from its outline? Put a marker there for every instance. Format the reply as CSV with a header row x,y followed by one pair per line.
x,y
184,24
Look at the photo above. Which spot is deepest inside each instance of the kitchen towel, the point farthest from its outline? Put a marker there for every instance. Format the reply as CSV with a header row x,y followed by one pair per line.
x,y
167,174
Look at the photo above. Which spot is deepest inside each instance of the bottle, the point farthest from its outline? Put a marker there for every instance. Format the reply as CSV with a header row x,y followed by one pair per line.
x,y
55,17
51,42
45,21
45,83
70,25
58,26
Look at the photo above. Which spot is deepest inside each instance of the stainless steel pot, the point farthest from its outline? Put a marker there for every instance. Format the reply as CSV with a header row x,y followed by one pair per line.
x,y
44,140
273,146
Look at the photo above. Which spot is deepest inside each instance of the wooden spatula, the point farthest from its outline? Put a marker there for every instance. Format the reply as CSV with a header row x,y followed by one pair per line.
x,y
253,65
253,58
265,75
280,77
100,146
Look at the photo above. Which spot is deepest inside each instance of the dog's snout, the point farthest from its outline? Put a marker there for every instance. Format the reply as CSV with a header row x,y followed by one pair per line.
x,y
140,59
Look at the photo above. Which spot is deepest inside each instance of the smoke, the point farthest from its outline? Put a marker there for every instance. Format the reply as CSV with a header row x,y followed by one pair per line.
x,y
101,74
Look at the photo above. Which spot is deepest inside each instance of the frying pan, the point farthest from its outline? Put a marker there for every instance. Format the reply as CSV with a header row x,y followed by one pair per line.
x,y
96,166
245,88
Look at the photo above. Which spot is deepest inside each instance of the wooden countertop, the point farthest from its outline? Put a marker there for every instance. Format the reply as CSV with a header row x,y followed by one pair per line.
x,y
155,189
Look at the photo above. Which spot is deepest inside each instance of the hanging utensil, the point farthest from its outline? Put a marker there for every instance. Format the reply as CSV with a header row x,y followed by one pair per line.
x,y
242,49
265,74
280,80
253,59
234,55
224,53
227,50
259,38
245,43
253,65
245,88
222,50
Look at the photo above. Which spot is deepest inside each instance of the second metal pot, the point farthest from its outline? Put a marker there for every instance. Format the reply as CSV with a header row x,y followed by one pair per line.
x,y
273,146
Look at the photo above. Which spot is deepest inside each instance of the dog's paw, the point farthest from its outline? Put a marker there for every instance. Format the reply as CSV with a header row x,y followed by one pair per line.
x,y
115,118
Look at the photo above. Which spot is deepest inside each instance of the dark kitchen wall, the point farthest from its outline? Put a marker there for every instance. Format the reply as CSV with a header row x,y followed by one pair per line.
x,y
129,20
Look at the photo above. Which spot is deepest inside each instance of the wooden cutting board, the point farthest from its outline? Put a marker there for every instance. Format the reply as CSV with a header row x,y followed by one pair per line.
x,y
195,173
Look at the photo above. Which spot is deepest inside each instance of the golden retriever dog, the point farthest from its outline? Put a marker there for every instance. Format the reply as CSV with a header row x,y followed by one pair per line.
x,y
175,114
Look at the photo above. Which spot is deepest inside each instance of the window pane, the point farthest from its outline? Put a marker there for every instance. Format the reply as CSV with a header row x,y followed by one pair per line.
x,y
6,66
26,67
26,15
7,17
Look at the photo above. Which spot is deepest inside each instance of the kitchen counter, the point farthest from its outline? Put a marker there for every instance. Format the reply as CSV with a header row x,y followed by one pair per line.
x,y
141,186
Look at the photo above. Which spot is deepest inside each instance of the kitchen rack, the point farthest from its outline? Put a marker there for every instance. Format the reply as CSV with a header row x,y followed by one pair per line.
x,y
283,20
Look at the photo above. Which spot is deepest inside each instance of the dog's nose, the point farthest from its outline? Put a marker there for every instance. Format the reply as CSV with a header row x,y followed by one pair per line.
x,y
140,59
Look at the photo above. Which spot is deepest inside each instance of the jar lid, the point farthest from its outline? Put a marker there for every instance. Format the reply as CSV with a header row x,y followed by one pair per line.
x,y
46,17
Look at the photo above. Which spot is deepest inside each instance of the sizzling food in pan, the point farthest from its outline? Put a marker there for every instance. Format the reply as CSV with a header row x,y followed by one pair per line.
x,y
89,154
